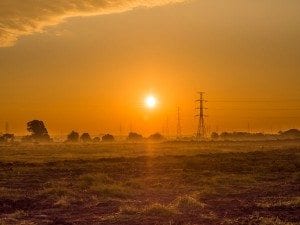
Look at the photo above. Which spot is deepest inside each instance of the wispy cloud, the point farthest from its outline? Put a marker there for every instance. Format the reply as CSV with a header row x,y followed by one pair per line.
x,y
25,17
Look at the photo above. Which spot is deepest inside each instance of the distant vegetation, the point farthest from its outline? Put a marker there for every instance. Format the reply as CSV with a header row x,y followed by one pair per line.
x,y
7,138
132,136
73,137
240,136
39,133
85,137
108,138
156,137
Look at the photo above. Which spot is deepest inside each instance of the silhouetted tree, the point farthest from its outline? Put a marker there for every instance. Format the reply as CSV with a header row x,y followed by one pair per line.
x,y
85,137
214,135
9,137
108,137
96,139
239,136
73,137
156,137
292,133
2,139
132,136
38,131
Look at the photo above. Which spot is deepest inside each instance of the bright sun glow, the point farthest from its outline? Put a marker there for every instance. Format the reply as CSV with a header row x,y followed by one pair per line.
x,y
150,101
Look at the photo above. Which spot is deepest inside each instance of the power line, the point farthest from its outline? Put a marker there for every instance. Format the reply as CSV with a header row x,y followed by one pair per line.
x,y
253,100
178,124
167,127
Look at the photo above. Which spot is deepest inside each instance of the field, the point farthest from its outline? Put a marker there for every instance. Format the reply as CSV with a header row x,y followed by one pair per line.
x,y
172,183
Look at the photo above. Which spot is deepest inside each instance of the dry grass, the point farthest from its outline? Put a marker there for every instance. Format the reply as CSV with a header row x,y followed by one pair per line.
x,y
162,183
188,205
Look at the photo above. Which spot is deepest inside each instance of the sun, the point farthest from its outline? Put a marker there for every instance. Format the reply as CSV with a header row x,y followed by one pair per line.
x,y
150,101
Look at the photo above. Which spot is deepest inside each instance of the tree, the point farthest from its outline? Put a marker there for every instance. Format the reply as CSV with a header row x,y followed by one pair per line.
x,y
96,139
8,137
214,135
132,136
85,137
156,137
73,137
38,131
292,133
108,138
2,139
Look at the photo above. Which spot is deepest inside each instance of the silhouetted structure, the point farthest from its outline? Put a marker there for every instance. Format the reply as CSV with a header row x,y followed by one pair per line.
x,y
178,124
38,131
73,137
7,127
108,138
201,125
85,137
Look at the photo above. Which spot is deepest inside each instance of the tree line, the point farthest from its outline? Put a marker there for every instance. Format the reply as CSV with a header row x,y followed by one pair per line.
x,y
39,133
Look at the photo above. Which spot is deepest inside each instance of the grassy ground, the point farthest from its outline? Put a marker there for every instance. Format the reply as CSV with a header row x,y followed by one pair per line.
x,y
158,183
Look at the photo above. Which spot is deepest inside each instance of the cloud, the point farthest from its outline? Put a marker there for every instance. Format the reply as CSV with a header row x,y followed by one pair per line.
x,y
25,17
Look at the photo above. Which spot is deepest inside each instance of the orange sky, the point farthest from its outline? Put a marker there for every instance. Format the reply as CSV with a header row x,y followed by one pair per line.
x,y
92,73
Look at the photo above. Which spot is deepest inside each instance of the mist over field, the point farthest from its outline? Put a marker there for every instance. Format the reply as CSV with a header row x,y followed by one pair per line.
x,y
149,112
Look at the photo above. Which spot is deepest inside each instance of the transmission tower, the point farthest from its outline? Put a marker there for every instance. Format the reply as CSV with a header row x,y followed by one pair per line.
x,y
201,123
178,124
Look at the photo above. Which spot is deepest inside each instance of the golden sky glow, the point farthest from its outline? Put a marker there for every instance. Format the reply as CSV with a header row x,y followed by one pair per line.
x,y
60,64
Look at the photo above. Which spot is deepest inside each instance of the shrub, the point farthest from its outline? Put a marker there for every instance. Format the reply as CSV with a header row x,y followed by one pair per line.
x,y
132,136
108,138
96,139
73,137
85,137
156,137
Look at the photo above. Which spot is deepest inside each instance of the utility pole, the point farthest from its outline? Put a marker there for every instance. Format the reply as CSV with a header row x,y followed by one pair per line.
x,y
130,127
178,124
120,130
167,127
6,127
201,123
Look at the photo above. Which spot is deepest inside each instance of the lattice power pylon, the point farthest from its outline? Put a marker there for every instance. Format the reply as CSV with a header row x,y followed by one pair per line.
x,y
201,131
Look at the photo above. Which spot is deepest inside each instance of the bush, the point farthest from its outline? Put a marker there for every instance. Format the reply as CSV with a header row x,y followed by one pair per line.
x,y
73,137
132,136
85,137
108,138
96,139
156,137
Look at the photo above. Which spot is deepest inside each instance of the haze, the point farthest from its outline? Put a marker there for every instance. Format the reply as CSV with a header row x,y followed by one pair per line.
x,y
88,65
